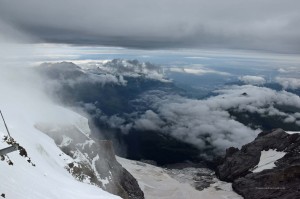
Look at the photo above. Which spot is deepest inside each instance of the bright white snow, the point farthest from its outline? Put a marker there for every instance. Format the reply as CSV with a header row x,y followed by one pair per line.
x,y
292,132
49,179
66,141
267,159
157,184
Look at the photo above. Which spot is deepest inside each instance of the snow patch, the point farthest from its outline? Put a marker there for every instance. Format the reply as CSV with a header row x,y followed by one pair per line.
x,y
66,141
292,132
105,181
267,160
87,142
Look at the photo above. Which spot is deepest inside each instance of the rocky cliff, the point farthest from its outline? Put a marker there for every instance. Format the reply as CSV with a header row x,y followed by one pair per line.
x,y
95,161
268,167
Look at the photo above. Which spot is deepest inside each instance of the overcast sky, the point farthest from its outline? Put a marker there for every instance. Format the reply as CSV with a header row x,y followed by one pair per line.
x,y
266,25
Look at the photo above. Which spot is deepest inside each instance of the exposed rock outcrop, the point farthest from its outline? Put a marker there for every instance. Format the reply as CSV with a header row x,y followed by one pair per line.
x,y
281,181
95,161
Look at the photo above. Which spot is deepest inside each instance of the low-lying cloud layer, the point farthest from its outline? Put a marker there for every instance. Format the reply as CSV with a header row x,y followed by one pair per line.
x,y
207,123
253,25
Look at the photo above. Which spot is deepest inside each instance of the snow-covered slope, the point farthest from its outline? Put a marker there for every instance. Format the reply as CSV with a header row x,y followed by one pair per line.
x,y
157,183
49,178
92,161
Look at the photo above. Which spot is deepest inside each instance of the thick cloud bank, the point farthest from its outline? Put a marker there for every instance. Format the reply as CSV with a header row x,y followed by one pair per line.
x,y
257,24
207,123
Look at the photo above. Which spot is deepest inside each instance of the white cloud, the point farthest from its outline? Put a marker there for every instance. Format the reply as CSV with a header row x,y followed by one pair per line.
x,y
289,70
297,115
197,70
289,119
99,78
207,123
288,82
282,70
253,80
149,121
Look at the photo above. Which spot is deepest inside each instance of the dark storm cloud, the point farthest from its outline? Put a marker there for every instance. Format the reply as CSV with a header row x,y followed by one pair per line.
x,y
271,25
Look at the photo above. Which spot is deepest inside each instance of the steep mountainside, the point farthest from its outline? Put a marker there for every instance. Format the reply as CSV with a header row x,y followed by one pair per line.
x,y
94,160
46,176
268,167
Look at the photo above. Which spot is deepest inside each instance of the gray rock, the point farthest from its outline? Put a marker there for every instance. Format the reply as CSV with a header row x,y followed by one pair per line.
x,y
96,161
238,163
273,184
281,182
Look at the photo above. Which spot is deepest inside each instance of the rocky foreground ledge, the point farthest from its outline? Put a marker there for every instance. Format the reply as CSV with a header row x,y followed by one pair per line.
x,y
267,168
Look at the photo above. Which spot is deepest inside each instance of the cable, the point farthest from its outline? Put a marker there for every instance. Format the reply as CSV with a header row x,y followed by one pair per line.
x,y
5,124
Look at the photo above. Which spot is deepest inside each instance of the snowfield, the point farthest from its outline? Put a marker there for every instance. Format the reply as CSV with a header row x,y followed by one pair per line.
x,y
267,159
48,179
157,184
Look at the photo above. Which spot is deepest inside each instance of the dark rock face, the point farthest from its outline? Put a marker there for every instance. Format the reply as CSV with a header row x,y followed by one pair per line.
x,y
280,182
237,163
274,184
95,161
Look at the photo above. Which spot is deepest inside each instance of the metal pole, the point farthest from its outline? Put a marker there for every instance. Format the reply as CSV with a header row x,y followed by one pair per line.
x,y
5,124
8,150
